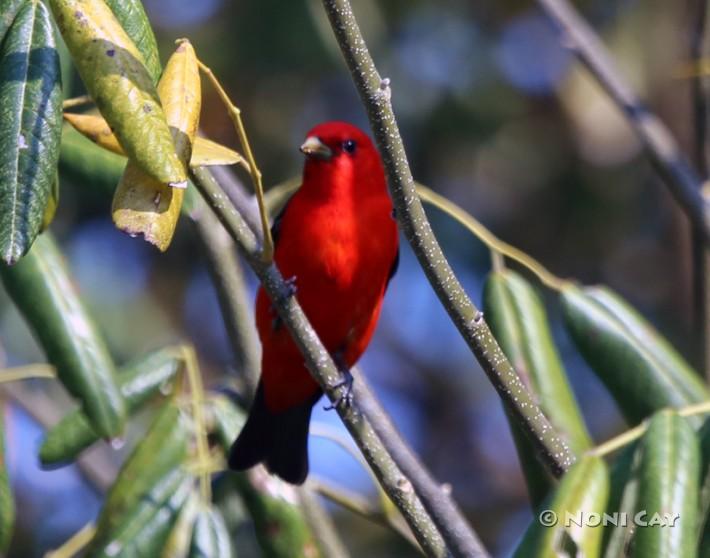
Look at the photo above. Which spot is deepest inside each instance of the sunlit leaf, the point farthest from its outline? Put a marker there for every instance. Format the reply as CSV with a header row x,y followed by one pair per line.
x,y
582,491
151,487
141,204
205,152
114,73
668,489
8,12
133,19
30,127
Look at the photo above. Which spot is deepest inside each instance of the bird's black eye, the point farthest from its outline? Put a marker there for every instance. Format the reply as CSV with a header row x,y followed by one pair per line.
x,y
349,146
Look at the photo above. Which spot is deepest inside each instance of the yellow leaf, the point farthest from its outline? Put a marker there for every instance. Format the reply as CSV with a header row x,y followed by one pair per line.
x,y
205,152
96,129
115,75
141,204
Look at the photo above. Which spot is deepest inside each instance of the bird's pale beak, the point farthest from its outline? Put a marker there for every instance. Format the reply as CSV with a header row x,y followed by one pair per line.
x,y
313,147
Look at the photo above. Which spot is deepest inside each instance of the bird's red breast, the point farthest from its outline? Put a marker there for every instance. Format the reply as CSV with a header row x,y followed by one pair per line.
x,y
337,236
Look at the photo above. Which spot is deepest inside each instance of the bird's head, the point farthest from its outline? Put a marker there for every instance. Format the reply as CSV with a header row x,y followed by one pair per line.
x,y
340,154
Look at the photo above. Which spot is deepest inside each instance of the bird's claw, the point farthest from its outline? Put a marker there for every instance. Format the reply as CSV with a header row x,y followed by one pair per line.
x,y
291,287
346,398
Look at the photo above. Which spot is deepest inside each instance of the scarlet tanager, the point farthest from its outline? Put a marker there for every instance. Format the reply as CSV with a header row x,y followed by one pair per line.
x,y
337,238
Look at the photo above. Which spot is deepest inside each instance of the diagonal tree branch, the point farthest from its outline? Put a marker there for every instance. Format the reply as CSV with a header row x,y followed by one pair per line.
x,y
375,94
321,365
682,181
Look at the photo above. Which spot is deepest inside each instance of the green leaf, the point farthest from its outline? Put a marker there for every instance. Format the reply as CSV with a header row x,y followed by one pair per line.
x,y
582,491
210,538
623,495
8,12
519,322
704,497
225,420
139,382
30,127
627,358
7,503
150,475
687,379
141,205
132,17
281,529
146,529
178,542
52,204
41,288
668,489
88,165
114,73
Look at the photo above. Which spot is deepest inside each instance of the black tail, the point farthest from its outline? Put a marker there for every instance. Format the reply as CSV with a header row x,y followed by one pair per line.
x,y
280,440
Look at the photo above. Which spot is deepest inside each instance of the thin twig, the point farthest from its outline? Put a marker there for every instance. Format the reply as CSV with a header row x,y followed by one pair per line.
x,y
197,397
75,544
226,272
375,95
29,371
321,524
361,506
237,193
77,101
635,433
235,115
323,368
489,239
682,181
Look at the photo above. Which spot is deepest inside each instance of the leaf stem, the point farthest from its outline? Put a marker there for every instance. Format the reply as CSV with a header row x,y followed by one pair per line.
x,y
635,433
30,371
235,114
197,396
77,101
74,544
361,506
488,238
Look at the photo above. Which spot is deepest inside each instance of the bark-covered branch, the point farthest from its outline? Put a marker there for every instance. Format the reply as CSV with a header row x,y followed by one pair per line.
x,y
323,369
375,94
678,175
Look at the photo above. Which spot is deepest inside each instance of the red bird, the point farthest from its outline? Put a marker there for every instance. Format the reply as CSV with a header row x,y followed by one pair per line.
x,y
337,239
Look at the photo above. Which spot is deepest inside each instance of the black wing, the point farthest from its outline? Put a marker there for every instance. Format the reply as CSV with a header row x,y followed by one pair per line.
x,y
393,269
276,226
